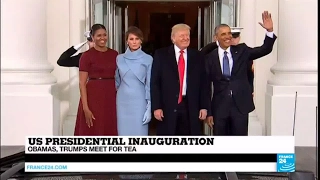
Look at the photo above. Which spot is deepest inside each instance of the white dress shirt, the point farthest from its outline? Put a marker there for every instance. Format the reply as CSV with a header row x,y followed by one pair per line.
x,y
221,54
177,52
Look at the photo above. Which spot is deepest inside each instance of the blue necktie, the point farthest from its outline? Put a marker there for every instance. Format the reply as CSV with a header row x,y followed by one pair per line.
x,y
226,67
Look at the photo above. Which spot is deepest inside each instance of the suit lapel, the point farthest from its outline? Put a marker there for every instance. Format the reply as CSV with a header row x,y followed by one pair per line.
x,y
172,60
191,60
235,56
216,61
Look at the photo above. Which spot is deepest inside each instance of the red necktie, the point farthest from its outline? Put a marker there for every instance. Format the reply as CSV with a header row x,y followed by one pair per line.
x,y
181,66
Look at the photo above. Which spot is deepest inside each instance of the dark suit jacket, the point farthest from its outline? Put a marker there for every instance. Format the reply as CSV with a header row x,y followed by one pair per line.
x,y
208,48
251,75
238,83
66,60
212,46
165,89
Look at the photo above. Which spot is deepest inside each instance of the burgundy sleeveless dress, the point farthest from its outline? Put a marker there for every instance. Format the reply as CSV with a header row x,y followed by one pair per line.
x,y
101,93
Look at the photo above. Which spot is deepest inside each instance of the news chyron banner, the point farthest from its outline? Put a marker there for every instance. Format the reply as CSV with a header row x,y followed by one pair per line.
x,y
160,154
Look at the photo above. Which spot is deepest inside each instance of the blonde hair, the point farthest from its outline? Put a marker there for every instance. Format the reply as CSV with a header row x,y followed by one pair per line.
x,y
179,27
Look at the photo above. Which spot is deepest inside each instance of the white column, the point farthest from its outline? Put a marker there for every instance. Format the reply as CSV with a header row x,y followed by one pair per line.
x,y
29,105
295,71
78,25
23,43
248,23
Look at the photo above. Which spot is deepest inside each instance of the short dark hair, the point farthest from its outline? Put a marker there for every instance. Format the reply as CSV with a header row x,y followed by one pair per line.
x,y
216,29
96,27
135,31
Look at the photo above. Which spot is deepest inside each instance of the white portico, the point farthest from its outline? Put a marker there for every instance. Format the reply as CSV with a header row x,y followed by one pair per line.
x,y
28,103
295,72
35,33
247,9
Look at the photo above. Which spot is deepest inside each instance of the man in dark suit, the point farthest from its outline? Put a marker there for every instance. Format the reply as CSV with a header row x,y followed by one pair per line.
x,y
235,32
227,69
179,93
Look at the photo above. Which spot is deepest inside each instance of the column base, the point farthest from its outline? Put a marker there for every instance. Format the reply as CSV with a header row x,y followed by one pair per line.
x,y
28,110
255,127
281,112
68,125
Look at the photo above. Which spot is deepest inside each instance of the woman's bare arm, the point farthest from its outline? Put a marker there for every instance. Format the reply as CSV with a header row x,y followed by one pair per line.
x,y
84,68
83,77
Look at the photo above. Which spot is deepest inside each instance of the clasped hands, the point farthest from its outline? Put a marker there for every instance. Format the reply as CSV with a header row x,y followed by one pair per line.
x,y
158,114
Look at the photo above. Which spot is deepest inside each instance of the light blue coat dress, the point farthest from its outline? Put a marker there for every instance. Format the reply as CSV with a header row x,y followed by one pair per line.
x,y
133,93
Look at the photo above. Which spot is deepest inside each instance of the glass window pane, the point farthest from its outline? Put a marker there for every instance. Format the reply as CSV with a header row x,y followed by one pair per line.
x,y
228,16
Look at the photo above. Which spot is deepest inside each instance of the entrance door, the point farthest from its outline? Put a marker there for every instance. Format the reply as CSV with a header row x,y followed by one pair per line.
x,y
208,19
160,33
117,24
218,12
97,12
156,19
115,19
228,10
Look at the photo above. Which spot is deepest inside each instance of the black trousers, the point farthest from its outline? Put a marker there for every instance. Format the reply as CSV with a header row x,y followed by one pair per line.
x,y
183,122
231,123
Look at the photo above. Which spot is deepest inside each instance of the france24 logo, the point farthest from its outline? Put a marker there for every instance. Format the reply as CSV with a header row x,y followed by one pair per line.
x,y
286,162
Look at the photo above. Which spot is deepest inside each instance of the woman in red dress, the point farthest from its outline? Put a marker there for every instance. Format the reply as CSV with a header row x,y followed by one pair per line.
x,y
97,108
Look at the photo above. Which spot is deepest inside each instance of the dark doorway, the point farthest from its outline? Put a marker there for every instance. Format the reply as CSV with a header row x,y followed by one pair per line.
x,y
160,30
160,36
156,19
161,24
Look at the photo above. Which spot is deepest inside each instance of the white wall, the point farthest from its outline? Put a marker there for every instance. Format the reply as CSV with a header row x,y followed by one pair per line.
x,y
295,72
66,20
253,35
29,102
263,65
57,42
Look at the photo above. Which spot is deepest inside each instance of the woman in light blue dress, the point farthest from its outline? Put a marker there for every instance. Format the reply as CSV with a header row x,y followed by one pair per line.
x,y
133,87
